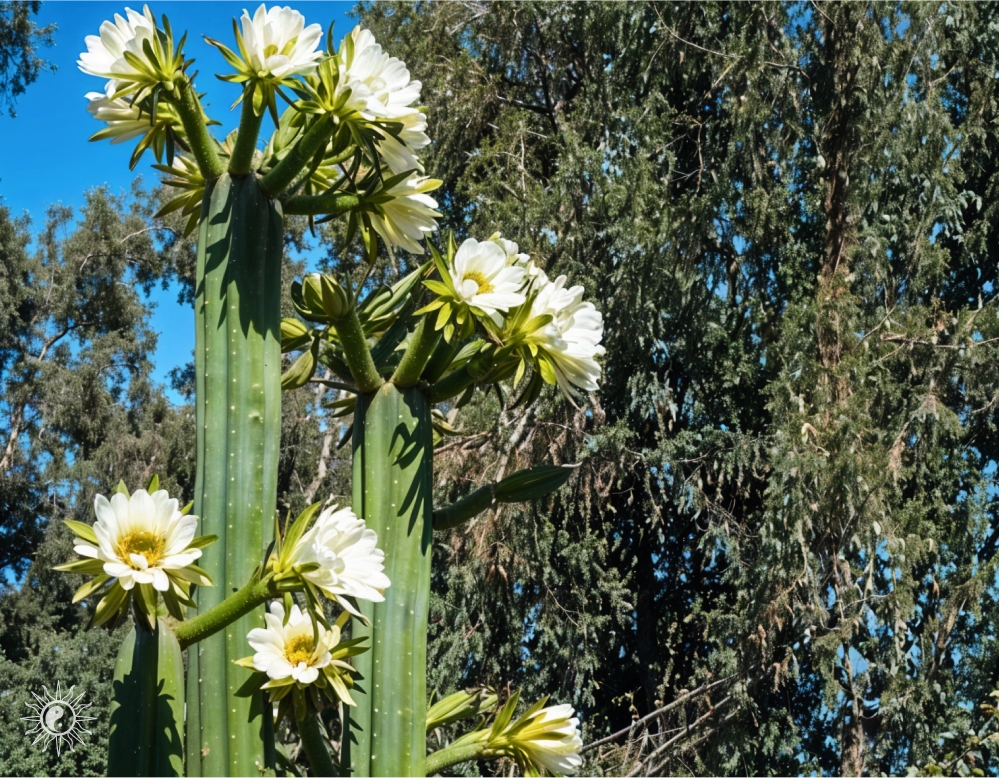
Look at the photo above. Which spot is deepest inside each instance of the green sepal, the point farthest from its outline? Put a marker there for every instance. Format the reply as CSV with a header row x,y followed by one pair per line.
x,y
121,489
546,369
85,531
302,369
82,567
154,484
204,540
294,335
296,530
90,587
505,716
173,604
110,605
193,574
147,602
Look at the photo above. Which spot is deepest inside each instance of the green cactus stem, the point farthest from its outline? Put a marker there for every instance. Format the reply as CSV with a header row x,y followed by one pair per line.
x,y
356,352
314,742
246,139
449,757
146,732
284,172
392,483
418,354
237,361
247,599
203,147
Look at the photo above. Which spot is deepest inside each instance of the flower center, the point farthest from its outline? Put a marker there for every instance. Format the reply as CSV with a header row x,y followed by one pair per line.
x,y
270,51
147,544
480,280
299,649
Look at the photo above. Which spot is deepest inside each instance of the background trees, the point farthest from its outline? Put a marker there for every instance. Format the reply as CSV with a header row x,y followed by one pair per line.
x,y
788,476
20,39
787,215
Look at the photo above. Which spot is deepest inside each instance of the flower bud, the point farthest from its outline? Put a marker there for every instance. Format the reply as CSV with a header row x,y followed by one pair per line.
x,y
460,705
294,335
335,300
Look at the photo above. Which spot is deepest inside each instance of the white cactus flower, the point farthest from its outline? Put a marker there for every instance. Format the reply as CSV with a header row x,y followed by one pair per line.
x,y
550,739
404,214
105,54
514,256
143,539
290,650
380,86
277,45
124,121
572,339
350,562
483,279
399,152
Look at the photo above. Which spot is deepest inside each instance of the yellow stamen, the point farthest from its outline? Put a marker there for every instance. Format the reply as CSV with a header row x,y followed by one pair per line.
x,y
479,278
299,649
148,544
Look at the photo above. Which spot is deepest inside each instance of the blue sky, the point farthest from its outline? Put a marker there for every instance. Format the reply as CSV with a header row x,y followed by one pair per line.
x,y
48,158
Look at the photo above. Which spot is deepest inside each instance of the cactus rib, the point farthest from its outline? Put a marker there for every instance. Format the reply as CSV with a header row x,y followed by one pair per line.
x,y
393,459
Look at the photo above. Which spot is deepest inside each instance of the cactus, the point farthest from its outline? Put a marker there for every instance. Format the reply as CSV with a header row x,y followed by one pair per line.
x,y
238,358
392,486
486,321
148,679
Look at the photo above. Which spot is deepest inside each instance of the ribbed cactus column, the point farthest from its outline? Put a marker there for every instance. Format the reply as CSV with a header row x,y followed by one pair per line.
x,y
238,365
393,460
147,709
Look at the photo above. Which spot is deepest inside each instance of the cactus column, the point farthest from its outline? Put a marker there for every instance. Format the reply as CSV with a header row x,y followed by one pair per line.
x,y
238,365
392,489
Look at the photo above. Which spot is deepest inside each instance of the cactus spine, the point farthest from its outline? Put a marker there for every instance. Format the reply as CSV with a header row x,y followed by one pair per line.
x,y
238,358
392,490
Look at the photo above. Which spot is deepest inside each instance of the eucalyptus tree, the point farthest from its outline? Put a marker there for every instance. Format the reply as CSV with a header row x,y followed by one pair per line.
x,y
781,536
20,38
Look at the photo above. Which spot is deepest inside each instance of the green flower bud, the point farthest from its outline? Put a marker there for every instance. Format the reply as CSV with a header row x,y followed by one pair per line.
x,y
460,705
336,302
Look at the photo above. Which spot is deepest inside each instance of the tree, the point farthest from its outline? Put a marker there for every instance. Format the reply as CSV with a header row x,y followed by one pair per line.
x,y
784,209
20,38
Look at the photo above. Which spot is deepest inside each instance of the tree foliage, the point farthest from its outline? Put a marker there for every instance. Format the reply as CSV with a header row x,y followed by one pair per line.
x,y
788,476
20,39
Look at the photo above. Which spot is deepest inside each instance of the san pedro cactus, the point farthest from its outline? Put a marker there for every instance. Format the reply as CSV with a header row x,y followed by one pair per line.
x,y
148,677
393,458
238,391
476,315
